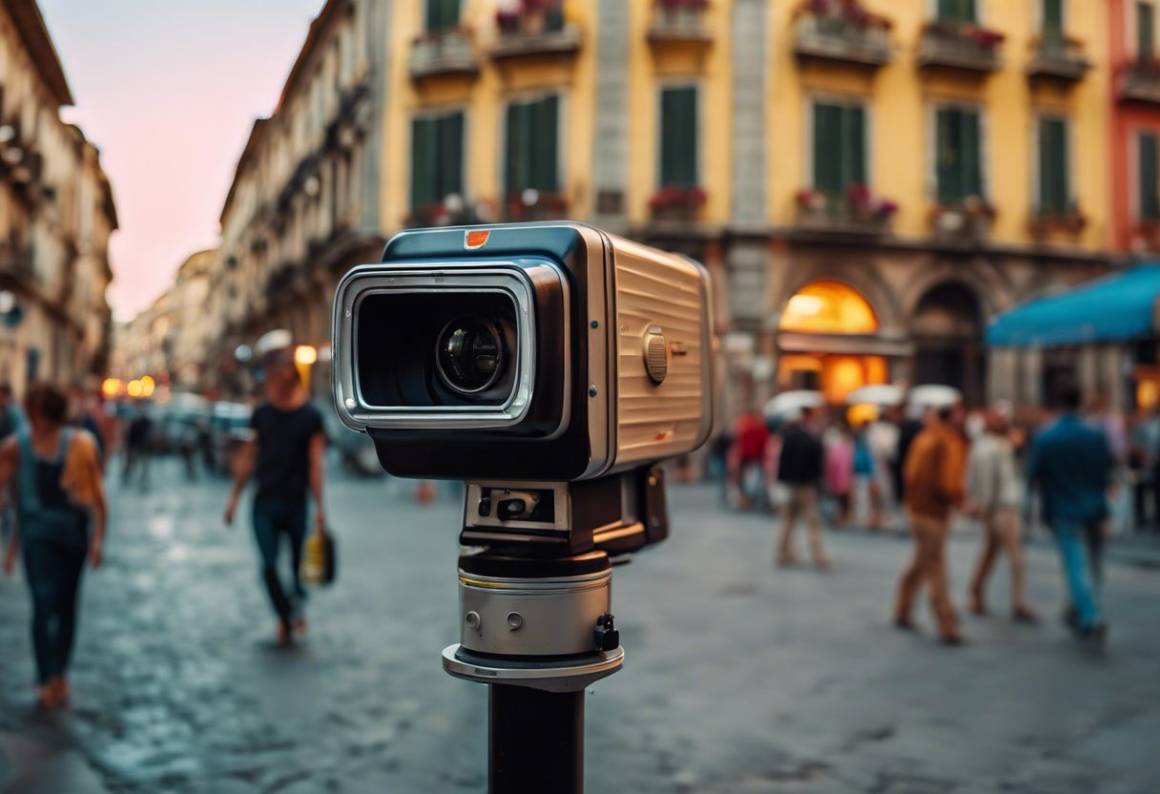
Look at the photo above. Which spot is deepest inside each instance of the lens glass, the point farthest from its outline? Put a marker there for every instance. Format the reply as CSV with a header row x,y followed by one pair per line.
x,y
469,354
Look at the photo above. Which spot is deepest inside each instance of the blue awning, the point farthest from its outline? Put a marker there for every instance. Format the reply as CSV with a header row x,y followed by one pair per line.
x,y
1117,308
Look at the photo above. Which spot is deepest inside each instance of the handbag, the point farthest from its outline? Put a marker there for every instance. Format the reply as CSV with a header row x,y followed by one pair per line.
x,y
320,560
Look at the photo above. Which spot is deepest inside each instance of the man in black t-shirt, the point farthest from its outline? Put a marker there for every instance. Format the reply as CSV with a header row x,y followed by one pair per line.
x,y
285,457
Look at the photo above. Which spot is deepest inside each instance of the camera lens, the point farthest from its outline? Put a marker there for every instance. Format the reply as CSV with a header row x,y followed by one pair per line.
x,y
469,354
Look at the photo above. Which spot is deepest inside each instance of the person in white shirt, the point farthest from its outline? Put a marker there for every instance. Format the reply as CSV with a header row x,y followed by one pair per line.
x,y
994,495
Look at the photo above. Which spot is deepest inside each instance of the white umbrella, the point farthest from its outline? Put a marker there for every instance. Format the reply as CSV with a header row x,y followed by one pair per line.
x,y
879,394
790,403
933,396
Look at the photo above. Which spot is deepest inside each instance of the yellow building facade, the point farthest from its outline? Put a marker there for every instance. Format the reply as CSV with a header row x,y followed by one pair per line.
x,y
868,182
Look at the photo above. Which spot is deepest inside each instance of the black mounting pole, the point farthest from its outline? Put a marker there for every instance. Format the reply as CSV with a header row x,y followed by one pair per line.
x,y
536,741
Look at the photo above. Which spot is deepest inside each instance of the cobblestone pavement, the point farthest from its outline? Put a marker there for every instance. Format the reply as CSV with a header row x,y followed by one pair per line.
x,y
738,678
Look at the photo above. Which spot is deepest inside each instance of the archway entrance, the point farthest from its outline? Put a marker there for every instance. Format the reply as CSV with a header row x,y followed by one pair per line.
x,y
948,340
827,336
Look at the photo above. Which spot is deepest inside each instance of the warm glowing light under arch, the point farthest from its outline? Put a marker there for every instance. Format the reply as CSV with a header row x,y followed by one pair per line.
x,y
828,307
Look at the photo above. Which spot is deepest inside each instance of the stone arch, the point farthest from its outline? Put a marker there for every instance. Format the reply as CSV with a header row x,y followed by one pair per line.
x,y
866,281
947,325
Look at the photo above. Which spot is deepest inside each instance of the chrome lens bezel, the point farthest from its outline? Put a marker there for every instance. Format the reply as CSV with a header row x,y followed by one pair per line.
x,y
477,276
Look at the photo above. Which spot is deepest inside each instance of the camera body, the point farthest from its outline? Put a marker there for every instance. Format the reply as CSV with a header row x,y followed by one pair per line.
x,y
549,365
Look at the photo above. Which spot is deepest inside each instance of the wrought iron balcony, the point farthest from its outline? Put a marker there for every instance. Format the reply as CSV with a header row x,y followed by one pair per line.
x,y
960,47
678,22
1047,223
837,38
856,213
1058,59
550,40
968,222
1139,81
447,52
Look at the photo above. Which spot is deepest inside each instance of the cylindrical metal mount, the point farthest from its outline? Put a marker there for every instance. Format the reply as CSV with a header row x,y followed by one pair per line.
x,y
529,607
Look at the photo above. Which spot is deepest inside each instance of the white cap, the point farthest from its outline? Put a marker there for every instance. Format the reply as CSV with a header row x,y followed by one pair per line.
x,y
272,342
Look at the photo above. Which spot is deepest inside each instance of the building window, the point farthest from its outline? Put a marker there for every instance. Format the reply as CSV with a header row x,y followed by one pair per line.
x,y
1054,187
1053,21
839,147
1145,31
956,11
679,137
436,159
828,307
442,15
532,161
1149,176
959,155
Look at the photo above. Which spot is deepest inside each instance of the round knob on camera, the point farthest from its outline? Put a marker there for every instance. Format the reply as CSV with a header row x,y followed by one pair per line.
x,y
656,355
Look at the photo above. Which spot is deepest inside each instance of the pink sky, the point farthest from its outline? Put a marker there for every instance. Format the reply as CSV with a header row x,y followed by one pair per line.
x,y
168,91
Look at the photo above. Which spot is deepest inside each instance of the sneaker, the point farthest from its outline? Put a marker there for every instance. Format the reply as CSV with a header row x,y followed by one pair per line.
x,y
952,640
904,624
284,636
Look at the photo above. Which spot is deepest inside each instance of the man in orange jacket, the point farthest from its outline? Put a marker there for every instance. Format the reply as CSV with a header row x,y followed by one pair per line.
x,y
935,477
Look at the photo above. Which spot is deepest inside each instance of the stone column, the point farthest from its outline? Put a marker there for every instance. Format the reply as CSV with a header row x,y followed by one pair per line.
x,y
610,161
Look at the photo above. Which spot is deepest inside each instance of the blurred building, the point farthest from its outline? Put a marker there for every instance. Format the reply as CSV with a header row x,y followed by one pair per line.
x,y
56,216
303,206
867,181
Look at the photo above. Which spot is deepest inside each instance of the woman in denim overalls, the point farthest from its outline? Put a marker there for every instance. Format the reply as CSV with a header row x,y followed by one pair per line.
x,y
59,494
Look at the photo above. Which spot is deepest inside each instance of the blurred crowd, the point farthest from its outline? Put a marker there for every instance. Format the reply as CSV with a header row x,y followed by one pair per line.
x,y
1077,471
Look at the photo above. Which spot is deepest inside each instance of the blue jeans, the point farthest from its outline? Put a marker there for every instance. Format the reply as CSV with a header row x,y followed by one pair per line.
x,y
273,518
53,571
1081,552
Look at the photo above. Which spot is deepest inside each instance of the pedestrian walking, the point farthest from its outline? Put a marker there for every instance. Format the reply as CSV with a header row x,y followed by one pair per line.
x,y
11,420
935,474
995,495
285,457
800,467
839,469
747,458
138,448
1071,462
60,497
865,475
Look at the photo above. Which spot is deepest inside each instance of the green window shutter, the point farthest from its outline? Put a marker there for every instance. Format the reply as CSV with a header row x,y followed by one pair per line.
x,y
853,146
1053,176
545,131
423,177
1145,31
516,172
972,154
827,148
947,156
451,155
442,15
1149,177
1053,21
956,10
679,137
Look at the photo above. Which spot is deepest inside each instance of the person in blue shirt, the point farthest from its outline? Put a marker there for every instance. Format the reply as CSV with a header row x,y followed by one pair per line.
x,y
1071,463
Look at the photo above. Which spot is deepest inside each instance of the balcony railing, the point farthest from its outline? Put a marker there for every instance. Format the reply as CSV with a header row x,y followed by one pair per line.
x,y
535,30
1059,59
533,205
968,222
444,52
857,212
1139,81
843,33
452,211
1045,223
677,204
962,47
679,21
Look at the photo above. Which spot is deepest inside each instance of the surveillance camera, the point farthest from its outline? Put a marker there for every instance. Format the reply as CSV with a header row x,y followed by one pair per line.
x,y
548,353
